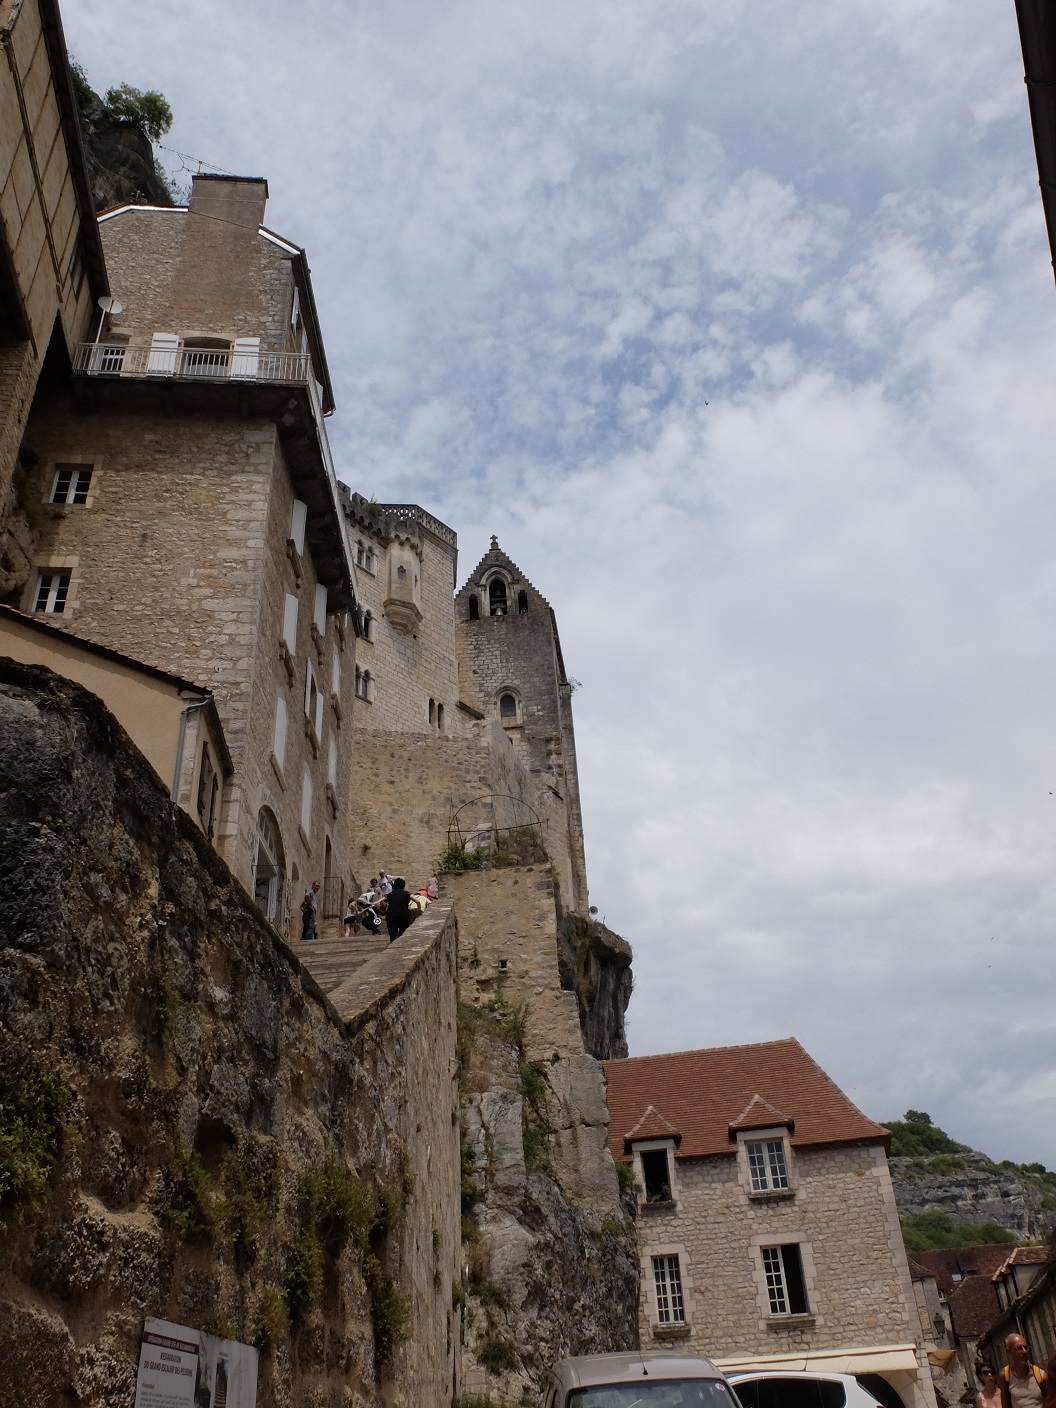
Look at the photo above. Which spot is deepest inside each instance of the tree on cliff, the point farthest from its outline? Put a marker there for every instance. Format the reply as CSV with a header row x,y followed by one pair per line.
x,y
118,133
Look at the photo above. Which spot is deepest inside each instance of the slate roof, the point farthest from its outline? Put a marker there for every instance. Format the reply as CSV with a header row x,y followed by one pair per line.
x,y
704,1093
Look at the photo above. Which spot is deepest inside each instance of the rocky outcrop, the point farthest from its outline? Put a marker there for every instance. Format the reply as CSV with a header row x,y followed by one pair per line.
x,y
189,1128
595,964
971,1191
121,167
549,1254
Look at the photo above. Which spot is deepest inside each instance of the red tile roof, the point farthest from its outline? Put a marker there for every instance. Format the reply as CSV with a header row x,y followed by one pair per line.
x,y
652,1125
705,1092
760,1114
973,1306
963,1261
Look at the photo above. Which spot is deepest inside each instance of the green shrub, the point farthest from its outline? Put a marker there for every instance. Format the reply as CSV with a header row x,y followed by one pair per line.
x,y
497,1353
457,859
34,1122
624,1176
474,1400
929,1231
390,1310
82,89
342,1207
304,1274
249,1202
186,1204
148,111
490,1293
271,1321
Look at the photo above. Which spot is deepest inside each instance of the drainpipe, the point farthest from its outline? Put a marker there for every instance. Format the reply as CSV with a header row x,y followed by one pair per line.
x,y
200,704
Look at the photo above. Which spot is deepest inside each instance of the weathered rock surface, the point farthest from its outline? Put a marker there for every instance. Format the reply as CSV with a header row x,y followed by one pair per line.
x,y
977,1193
159,1037
595,964
120,160
551,1264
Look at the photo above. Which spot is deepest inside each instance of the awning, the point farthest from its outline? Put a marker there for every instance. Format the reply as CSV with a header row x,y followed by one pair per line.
x,y
941,1359
883,1359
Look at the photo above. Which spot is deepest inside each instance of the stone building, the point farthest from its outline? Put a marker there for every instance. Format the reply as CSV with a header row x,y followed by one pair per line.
x,y
511,670
51,258
767,1223
187,515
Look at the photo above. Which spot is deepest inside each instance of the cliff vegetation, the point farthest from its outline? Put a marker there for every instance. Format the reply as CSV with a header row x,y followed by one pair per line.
x,y
949,1194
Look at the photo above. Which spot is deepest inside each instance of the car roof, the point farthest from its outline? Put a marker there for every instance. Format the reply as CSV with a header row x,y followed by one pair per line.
x,y
587,1369
737,1375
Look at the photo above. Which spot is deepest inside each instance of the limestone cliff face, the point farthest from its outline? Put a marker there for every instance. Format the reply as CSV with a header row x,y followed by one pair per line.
x,y
595,964
550,1264
189,1128
974,1192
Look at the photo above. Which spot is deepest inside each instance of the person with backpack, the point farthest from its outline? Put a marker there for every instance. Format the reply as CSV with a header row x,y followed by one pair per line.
x,y
1021,1380
398,908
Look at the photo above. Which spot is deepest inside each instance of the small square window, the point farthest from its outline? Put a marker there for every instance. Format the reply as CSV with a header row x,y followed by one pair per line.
x,y
766,1163
53,588
667,1277
72,482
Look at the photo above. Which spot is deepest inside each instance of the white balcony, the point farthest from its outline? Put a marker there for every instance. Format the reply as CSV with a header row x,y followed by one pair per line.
x,y
178,363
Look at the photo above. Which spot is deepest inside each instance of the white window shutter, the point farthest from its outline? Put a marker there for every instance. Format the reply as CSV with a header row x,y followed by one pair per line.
x,y
289,623
331,765
306,805
335,682
318,713
298,523
279,743
162,358
245,358
320,610
295,315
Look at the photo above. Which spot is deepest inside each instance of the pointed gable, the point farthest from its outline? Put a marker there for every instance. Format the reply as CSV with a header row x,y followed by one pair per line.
x,y
652,1125
496,561
760,1114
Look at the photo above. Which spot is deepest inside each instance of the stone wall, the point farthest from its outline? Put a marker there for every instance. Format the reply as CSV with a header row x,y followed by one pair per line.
x,y
842,1215
186,1073
179,559
507,922
406,787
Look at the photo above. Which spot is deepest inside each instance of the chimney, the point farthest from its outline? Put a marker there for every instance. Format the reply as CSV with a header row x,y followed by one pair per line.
x,y
240,200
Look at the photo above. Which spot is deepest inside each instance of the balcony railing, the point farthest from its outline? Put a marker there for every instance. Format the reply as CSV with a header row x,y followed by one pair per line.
x,y
192,363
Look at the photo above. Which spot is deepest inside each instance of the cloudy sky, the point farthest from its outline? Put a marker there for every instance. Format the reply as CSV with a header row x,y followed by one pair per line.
x,y
735,322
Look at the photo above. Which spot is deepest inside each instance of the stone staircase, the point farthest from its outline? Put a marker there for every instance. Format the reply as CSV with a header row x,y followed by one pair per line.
x,y
331,960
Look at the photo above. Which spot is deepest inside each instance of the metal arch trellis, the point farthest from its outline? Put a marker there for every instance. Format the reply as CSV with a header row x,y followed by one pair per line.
x,y
454,828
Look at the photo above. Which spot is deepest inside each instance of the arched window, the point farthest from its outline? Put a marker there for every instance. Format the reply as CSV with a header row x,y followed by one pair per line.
x,y
269,868
522,603
401,574
497,597
205,356
474,609
368,626
508,707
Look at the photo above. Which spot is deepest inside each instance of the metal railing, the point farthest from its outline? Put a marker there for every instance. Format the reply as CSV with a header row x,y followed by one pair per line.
x,y
192,363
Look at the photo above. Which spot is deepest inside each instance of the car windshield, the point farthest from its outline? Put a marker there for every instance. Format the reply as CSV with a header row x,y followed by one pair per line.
x,y
654,1393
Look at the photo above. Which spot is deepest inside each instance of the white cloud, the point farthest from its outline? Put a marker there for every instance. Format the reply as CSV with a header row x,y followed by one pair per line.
x,y
736,324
